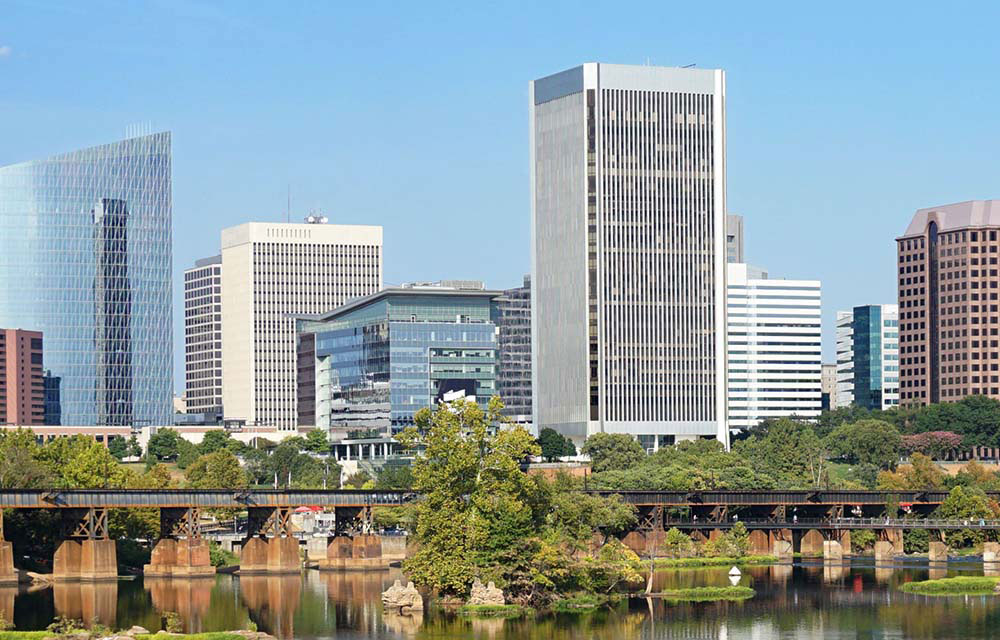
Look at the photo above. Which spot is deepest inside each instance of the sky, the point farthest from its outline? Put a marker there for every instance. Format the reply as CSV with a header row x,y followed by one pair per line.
x,y
842,118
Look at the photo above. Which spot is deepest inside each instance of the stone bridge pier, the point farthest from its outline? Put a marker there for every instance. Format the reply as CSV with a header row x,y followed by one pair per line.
x,y
8,577
180,552
270,546
355,545
86,552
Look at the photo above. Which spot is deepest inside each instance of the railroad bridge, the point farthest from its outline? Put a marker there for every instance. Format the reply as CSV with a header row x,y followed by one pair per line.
x,y
780,523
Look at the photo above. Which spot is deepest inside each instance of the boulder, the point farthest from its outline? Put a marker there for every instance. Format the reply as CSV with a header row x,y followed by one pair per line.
x,y
488,594
136,630
398,598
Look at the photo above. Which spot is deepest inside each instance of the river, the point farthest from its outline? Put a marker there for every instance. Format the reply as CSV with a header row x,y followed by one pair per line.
x,y
800,601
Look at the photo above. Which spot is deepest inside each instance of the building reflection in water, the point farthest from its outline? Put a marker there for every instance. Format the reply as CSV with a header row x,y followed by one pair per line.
x,y
87,601
190,598
357,600
272,602
7,602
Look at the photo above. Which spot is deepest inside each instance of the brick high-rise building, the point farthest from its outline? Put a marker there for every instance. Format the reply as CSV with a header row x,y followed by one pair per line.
x,y
949,322
22,390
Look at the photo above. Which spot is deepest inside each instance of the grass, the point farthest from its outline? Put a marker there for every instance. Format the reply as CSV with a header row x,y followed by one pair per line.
x,y
582,602
213,635
707,594
957,586
691,563
492,610
24,635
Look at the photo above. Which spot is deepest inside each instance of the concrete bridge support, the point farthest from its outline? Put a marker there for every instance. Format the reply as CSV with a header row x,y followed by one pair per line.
x,y
362,552
991,552
86,552
884,552
833,551
937,552
810,542
276,554
760,542
180,552
781,543
8,577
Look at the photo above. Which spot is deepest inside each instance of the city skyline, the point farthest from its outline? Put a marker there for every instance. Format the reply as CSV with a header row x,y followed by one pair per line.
x,y
823,140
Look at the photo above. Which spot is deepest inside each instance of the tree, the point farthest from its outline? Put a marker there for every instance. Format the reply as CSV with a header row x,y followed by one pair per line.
x,y
294,469
677,544
317,441
934,444
163,444
867,442
788,450
554,445
117,447
395,476
79,462
217,470
213,441
187,453
920,474
612,451
969,504
20,463
133,449
358,480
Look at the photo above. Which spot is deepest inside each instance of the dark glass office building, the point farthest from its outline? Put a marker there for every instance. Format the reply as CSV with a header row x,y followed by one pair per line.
x,y
374,362
85,252
514,321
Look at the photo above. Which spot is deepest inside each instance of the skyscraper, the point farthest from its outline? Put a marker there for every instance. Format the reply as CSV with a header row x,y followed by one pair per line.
x,y
734,239
868,350
203,337
22,387
775,365
85,252
514,375
629,248
948,318
272,272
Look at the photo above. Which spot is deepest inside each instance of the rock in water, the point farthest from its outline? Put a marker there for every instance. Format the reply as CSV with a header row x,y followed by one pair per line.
x,y
489,594
402,599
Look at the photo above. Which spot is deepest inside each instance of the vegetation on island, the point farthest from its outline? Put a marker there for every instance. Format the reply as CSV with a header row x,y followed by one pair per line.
x,y
959,585
480,516
706,594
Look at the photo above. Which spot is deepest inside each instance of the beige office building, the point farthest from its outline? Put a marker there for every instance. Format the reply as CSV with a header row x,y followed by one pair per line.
x,y
949,323
272,272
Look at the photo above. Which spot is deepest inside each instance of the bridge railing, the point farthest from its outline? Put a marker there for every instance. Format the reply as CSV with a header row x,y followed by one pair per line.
x,y
836,523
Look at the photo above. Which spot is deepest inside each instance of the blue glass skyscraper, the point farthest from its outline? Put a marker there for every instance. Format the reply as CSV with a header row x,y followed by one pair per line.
x,y
85,258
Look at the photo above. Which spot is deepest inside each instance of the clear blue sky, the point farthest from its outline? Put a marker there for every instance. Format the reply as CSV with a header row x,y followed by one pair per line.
x,y
842,120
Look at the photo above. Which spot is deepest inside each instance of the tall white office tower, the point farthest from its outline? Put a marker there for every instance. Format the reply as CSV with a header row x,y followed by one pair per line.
x,y
203,337
628,176
272,272
775,364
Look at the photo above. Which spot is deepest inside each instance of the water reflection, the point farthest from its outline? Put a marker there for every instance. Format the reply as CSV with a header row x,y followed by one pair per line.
x,y
802,601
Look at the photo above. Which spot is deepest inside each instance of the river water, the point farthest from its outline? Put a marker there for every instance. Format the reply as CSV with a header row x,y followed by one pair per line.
x,y
800,601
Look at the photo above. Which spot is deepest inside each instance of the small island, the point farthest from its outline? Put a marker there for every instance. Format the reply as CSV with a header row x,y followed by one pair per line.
x,y
957,586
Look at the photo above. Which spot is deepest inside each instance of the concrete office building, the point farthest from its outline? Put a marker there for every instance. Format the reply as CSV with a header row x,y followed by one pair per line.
x,y
272,272
774,347
22,386
948,307
845,358
85,258
629,249
514,376
828,384
868,356
734,239
372,363
203,338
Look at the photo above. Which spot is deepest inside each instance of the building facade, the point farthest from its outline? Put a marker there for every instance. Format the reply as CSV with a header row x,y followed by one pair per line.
x,y
774,347
828,384
272,272
875,356
734,239
203,337
948,318
629,247
22,383
845,358
374,362
514,376
85,258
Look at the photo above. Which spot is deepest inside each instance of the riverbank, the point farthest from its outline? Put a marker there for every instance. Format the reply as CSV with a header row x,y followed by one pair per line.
x,y
162,635
957,586
722,561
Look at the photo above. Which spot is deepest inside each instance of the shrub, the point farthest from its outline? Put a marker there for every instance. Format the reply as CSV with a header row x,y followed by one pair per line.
x,y
172,622
862,539
677,544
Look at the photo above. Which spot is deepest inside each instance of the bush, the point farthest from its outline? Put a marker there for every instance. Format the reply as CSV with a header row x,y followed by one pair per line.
x,y
677,544
63,626
862,540
219,557
916,540
734,543
172,622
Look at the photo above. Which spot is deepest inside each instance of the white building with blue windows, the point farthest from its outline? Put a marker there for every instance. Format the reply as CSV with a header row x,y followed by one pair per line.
x,y
774,351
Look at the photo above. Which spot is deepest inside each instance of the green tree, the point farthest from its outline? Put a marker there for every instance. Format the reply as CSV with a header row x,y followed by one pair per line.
x,y
573,517
866,442
317,441
213,441
677,544
394,476
476,508
80,462
117,447
554,445
968,504
133,449
163,444
358,480
294,469
788,450
612,451
217,470
921,474
20,463
187,453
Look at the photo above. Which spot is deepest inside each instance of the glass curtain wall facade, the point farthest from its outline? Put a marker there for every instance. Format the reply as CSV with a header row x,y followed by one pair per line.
x,y
514,321
85,258
375,362
876,356
629,249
